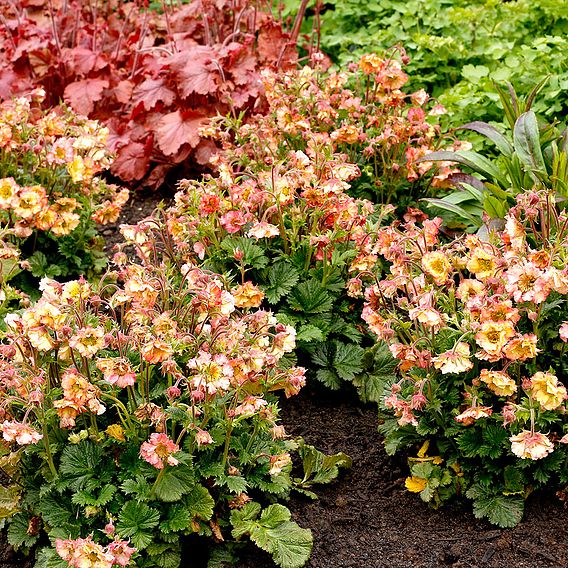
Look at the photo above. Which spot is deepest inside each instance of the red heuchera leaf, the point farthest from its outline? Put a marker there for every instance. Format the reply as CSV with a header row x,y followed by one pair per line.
x,y
273,46
132,161
82,95
177,128
81,60
196,71
123,91
152,91
7,83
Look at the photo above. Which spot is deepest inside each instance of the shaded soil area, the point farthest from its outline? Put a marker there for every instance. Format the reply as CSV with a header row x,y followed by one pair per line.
x,y
366,518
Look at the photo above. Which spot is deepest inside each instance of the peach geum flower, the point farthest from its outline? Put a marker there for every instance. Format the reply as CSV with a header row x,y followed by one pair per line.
x,y
499,382
547,390
533,445
158,451
457,360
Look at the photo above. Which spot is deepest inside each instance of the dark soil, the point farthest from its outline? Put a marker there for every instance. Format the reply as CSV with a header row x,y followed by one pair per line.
x,y
366,518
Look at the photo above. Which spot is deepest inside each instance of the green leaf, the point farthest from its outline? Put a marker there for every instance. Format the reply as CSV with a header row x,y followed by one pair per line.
x,y
178,519
526,138
136,521
492,134
289,544
80,464
53,512
174,482
282,277
199,503
311,297
253,255
348,360
329,378
501,510
87,498
319,467
234,483
308,333
18,535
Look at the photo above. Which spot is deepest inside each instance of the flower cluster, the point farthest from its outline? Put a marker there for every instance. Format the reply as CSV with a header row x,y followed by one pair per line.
x,y
477,327
157,372
85,553
361,111
50,194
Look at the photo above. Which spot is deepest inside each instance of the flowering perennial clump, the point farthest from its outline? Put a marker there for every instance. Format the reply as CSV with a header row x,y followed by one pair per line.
x,y
477,328
361,111
143,405
50,194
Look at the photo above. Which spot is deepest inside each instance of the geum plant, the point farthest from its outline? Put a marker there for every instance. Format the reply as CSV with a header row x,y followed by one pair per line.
x,y
361,111
478,328
151,78
51,196
140,410
289,238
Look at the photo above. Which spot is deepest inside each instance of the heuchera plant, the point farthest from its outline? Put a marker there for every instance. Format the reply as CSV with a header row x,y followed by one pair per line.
x,y
51,197
361,111
152,78
478,328
139,410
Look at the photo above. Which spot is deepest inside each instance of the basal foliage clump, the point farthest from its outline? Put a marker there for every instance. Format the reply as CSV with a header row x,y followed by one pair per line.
x,y
478,327
51,195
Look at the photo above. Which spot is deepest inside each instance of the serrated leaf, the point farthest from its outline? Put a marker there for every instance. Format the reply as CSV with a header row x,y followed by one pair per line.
x,y
253,255
289,544
319,467
199,503
309,333
80,465
18,535
329,378
175,482
501,510
282,277
136,521
311,297
53,512
347,360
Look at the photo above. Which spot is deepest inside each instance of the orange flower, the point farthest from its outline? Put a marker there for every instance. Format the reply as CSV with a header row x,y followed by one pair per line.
x,y
248,296
482,264
547,391
156,351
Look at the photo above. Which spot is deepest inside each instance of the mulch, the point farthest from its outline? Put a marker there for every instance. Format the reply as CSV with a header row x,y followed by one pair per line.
x,y
366,518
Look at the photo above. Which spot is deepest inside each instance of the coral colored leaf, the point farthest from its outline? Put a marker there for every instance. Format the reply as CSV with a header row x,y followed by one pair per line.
x,y
196,70
123,91
132,162
152,91
7,83
177,128
82,95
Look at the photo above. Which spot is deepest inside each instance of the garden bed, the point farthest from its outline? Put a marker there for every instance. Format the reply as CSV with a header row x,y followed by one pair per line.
x,y
367,519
